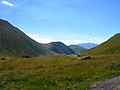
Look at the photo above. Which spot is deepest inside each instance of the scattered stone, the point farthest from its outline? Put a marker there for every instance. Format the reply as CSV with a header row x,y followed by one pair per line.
x,y
3,59
26,56
111,84
80,56
86,58
7,58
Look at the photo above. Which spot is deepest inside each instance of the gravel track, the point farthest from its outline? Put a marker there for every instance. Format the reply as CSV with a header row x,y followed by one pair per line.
x,y
112,84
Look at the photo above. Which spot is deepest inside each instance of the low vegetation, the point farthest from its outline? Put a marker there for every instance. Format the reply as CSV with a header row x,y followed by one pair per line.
x,y
57,72
111,46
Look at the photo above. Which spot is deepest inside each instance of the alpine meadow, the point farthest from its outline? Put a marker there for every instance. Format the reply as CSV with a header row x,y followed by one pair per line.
x,y
59,45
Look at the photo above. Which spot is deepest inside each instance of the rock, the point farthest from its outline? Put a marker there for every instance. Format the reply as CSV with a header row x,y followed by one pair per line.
x,y
7,58
3,58
26,56
111,84
80,56
85,58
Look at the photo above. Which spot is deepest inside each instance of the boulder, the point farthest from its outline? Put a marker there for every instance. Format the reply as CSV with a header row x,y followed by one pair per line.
x,y
26,56
86,58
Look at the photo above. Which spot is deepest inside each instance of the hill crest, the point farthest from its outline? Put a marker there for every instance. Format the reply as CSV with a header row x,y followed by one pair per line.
x,y
111,46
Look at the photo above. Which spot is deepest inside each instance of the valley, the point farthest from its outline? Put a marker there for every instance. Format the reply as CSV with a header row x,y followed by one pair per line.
x,y
28,65
57,72
59,44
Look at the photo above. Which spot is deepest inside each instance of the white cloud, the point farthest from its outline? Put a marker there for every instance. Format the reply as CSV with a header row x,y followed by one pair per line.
x,y
42,39
7,3
69,42
39,38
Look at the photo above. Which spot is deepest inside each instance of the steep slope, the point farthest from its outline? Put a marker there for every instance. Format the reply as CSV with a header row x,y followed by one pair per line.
x,y
110,46
15,42
77,49
88,45
59,48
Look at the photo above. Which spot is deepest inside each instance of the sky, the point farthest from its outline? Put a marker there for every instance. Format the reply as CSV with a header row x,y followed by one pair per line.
x,y
68,21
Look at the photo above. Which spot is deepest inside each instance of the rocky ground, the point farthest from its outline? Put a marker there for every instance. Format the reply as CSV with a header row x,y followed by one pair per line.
x,y
112,84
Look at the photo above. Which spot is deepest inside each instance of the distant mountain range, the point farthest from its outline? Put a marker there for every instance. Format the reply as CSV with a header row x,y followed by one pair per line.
x,y
88,45
16,43
77,49
111,46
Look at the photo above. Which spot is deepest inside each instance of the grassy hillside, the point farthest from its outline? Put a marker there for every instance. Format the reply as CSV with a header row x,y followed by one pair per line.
x,y
110,46
77,49
59,48
14,42
57,72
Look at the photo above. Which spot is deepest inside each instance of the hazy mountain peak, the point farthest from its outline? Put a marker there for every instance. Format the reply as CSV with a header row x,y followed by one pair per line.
x,y
77,49
88,45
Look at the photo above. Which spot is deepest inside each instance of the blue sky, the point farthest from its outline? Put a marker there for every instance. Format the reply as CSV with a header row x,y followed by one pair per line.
x,y
69,21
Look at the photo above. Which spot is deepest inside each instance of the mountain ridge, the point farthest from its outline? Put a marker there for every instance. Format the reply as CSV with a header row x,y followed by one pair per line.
x,y
15,42
77,49
59,48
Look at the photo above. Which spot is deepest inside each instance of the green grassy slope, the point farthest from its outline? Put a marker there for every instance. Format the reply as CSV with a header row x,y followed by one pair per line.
x,y
57,72
77,49
14,42
110,46
59,48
